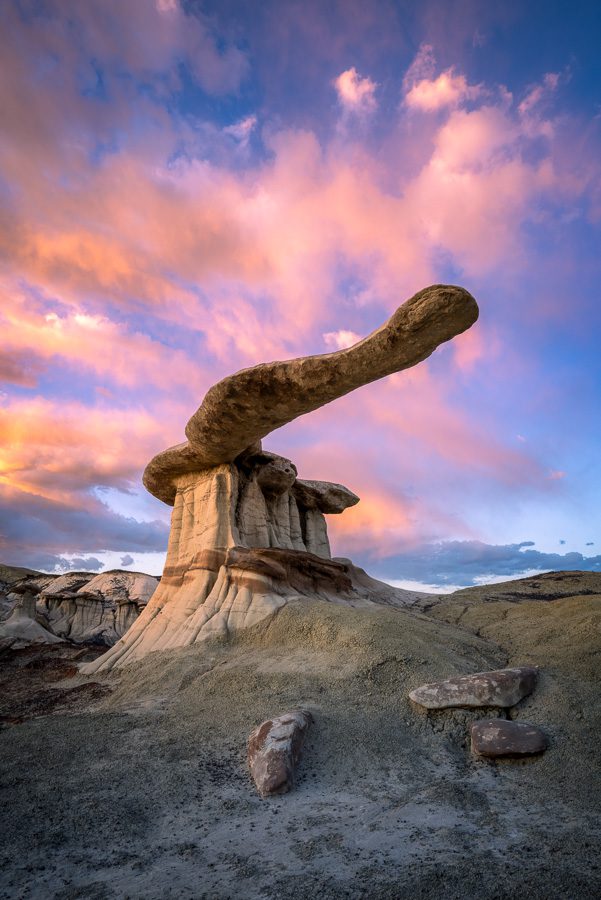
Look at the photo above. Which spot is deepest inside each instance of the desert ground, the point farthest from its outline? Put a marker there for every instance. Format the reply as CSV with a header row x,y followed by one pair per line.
x,y
135,784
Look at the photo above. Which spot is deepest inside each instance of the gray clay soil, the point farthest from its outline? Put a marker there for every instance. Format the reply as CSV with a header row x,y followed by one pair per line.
x,y
143,792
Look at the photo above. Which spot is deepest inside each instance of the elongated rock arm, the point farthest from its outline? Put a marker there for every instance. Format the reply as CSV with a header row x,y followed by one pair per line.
x,y
246,534
246,406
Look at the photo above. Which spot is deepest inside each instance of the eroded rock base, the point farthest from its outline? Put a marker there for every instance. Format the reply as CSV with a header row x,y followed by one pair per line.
x,y
220,592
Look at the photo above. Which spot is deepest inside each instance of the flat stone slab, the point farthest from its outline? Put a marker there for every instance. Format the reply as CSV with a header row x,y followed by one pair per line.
x,y
274,751
502,688
499,737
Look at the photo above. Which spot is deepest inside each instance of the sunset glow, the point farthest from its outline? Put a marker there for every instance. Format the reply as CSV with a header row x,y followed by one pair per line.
x,y
192,188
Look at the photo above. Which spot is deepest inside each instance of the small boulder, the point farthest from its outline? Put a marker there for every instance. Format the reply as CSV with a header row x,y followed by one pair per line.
x,y
499,737
274,751
502,688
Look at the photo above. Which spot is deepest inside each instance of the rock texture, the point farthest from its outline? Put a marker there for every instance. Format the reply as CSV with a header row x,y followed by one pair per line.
x,y
238,551
76,606
247,535
502,688
99,609
274,751
21,627
499,737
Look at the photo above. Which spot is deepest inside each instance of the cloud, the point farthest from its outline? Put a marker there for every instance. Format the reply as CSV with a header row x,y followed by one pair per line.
x,y
468,563
127,560
79,563
41,532
425,91
19,368
539,92
35,339
242,130
447,90
149,40
356,94
60,451
422,67
340,340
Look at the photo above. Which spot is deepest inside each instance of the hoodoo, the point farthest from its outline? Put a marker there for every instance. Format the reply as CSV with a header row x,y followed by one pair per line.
x,y
247,535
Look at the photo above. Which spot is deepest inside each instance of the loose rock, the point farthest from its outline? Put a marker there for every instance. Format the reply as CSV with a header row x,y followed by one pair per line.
x,y
499,737
274,751
502,688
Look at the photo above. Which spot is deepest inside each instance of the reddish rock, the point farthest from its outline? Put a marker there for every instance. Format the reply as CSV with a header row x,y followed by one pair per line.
x,y
502,688
274,751
499,737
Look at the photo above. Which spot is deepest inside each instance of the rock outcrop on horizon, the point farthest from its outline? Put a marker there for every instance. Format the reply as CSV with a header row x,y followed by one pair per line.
x,y
78,606
247,536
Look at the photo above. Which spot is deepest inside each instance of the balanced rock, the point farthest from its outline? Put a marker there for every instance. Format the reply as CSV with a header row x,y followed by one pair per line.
x,y
500,737
502,688
236,507
247,406
274,751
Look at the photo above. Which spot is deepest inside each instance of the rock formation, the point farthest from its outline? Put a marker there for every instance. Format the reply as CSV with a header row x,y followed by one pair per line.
x,y
97,609
77,606
247,535
21,627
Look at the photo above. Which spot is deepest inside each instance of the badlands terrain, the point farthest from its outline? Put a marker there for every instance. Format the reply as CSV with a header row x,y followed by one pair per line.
x,y
134,783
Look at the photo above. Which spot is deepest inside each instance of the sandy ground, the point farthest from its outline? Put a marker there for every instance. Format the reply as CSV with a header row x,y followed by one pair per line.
x,y
144,792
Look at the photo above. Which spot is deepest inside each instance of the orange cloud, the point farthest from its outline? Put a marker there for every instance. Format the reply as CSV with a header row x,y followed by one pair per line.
x,y
93,343
59,451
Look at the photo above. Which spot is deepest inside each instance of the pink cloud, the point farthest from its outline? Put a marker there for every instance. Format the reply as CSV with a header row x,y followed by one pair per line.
x,y
355,93
252,264
339,340
538,92
448,90
472,347
422,67
91,343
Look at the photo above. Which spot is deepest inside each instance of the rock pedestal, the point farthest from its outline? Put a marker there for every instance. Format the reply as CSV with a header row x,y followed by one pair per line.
x,y
245,538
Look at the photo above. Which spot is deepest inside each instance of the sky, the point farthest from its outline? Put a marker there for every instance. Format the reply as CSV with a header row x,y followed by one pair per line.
x,y
191,188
